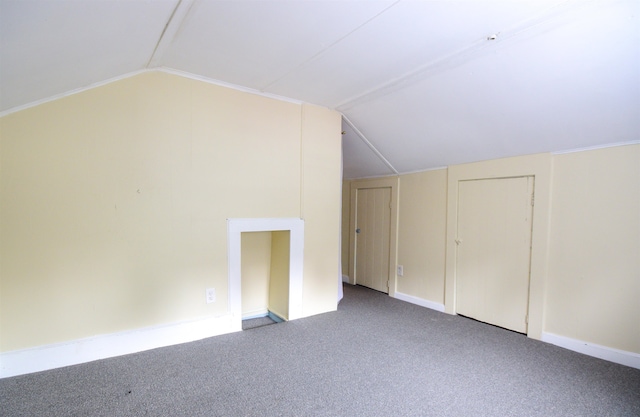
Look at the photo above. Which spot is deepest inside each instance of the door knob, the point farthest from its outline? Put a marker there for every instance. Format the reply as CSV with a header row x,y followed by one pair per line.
x,y
358,230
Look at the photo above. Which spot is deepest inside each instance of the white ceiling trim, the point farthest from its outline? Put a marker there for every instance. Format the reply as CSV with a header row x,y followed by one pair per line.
x,y
418,171
567,151
594,148
71,92
142,71
226,84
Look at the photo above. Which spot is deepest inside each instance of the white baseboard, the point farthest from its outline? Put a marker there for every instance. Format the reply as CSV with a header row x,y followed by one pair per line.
x,y
345,278
255,314
420,301
603,352
74,352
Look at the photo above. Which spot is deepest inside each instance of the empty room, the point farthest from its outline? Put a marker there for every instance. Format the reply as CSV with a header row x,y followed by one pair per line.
x,y
319,208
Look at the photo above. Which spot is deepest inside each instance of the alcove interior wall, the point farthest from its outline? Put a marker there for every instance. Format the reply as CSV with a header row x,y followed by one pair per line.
x,y
265,274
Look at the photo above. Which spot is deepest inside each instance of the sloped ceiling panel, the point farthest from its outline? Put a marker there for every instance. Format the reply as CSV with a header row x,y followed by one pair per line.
x,y
256,43
569,83
53,47
406,37
360,160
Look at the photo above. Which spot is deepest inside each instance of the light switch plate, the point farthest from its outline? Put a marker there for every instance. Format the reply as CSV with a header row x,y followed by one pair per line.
x,y
211,295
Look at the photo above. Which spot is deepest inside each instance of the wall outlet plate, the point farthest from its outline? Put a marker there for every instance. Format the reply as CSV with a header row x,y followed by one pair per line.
x,y
211,295
400,270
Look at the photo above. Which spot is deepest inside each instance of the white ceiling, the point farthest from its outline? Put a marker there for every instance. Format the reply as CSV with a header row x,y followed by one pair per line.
x,y
419,83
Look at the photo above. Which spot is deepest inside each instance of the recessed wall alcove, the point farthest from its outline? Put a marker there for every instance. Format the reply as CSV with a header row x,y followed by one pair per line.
x,y
235,228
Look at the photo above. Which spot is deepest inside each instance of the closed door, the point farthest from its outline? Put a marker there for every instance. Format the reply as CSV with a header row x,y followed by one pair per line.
x,y
373,226
493,250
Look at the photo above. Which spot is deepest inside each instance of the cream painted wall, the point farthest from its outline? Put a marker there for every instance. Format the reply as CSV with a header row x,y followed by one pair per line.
x,y
346,207
422,221
321,179
265,273
114,203
594,264
585,270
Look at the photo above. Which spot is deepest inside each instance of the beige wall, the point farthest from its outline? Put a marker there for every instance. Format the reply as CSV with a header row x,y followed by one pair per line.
x,y
585,270
114,203
346,228
593,288
321,149
421,233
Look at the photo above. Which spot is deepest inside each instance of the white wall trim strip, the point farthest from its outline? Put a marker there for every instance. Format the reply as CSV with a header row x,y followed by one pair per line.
x,y
227,85
142,71
596,147
420,301
42,358
71,92
603,352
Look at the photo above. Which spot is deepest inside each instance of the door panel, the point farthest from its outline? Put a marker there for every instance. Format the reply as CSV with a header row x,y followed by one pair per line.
x,y
493,250
373,223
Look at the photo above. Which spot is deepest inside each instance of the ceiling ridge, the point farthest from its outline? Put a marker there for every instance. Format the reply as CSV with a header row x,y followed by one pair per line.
x,y
173,25
552,15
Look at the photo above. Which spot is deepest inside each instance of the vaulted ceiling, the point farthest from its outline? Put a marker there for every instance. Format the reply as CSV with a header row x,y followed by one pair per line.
x,y
421,84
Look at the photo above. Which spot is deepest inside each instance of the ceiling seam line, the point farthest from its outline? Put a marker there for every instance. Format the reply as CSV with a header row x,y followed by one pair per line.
x,y
369,144
163,40
164,30
316,55
465,54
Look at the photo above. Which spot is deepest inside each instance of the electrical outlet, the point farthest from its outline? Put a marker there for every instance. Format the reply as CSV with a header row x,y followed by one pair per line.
x,y
400,270
211,295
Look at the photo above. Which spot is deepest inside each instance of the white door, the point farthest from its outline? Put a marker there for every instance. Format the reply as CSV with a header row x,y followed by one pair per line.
x,y
493,250
373,227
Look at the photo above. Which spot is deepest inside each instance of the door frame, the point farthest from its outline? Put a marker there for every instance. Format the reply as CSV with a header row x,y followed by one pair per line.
x,y
383,182
538,166
235,228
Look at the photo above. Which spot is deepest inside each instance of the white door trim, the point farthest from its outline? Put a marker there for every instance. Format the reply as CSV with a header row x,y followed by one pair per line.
x,y
296,254
386,182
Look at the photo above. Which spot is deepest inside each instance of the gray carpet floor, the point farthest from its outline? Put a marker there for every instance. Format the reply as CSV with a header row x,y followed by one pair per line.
x,y
375,356
257,322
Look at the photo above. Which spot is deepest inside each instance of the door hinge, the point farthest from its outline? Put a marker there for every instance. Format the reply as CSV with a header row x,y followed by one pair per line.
x,y
533,199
